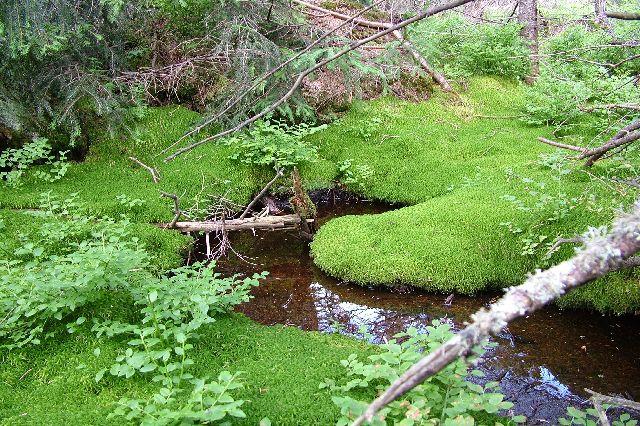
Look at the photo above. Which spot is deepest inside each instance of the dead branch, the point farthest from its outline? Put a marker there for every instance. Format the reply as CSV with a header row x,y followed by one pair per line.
x,y
291,221
628,16
421,60
599,256
154,173
269,74
562,145
176,209
260,194
624,137
560,241
429,12
633,182
598,399
633,107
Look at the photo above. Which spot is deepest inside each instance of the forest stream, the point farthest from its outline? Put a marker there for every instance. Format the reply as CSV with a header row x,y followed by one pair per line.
x,y
543,362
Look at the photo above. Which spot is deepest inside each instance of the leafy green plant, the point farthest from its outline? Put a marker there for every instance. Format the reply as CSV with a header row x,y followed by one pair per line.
x,y
354,176
446,398
461,48
579,70
17,161
275,144
589,417
209,401
73,262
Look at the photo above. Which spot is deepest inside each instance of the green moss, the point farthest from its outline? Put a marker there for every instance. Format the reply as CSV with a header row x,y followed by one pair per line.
x,y
282,369
108,172
449,160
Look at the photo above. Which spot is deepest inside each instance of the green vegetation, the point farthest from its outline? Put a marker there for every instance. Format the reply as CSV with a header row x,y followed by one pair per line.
x,y
462,400
107,172
88,330
486,199
282,367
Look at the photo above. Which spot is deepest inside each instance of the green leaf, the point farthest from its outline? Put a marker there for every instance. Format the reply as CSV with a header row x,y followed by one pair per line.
x,y
99,374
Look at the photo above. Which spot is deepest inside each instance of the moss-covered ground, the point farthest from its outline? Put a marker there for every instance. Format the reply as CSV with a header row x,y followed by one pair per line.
x,y
53,383
455,163
441,159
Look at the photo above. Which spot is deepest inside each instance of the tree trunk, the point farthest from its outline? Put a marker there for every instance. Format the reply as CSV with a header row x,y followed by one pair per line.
x,y
601,12
528,17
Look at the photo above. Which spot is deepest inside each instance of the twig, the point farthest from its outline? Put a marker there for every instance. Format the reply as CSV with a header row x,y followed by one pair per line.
x,y
154,173
562,145
429,12
176,208
633,107
260,194
598,257
598,399
560,241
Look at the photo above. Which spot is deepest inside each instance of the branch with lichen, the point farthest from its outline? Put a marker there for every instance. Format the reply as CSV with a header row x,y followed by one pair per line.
x,y
602,253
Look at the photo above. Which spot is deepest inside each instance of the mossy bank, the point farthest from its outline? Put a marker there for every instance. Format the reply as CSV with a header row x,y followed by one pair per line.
x,y
484,198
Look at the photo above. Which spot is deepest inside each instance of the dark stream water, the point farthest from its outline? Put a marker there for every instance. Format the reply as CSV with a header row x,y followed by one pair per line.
x,y
543,362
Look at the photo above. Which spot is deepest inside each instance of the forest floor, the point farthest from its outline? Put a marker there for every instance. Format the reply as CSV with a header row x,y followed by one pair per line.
x,y
467,170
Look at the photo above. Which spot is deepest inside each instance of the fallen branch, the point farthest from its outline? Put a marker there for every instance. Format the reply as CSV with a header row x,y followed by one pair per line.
x,y
625,136
627,16
429,12
598,399
154,173
291,221
633,107
562,145
599,256
260,194
421,60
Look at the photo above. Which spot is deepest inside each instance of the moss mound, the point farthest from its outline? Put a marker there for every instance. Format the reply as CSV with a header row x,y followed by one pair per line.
x,y
468,170
107,172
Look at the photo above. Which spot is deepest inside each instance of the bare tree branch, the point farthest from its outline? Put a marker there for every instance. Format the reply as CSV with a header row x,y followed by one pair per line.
x,y
260,194
176,208
628,16
598,399
154,173
269,74
599,256
429,12
404,41
562,145
628,134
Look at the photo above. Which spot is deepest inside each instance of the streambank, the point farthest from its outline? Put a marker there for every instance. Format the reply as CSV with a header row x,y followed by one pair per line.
x,y
543,362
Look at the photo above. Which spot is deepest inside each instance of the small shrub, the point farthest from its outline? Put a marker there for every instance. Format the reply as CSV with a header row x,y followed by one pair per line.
x,y
15,162
446,398
461,48
275,144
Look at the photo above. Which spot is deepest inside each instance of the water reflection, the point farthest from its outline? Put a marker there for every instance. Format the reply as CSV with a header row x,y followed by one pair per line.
x,y
543,363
